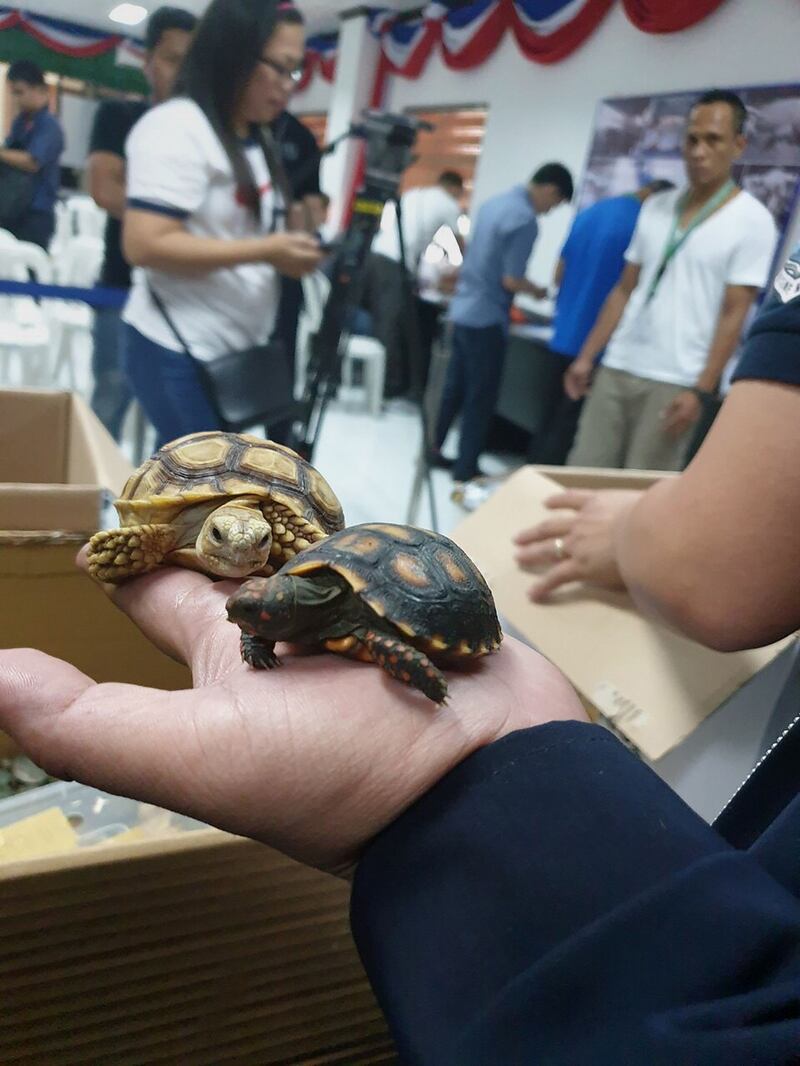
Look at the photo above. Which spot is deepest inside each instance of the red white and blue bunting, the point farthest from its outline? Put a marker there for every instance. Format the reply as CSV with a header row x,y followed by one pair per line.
x,y
320,56
67,39
546,31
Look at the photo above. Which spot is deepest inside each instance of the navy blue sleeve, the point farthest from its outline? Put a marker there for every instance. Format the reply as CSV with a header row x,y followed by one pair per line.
x,y
46,143
772,349
552,901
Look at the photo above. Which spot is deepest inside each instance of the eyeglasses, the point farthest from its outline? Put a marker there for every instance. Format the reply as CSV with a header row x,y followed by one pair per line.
x,y
292,76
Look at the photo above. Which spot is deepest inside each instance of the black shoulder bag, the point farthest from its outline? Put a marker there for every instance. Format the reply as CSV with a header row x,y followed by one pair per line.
x,y
16,193
253,385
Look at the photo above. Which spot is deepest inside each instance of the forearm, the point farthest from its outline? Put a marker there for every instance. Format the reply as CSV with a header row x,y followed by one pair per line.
x,y
112,198
544,874
603,329
723,346
179,252
19,159
521,286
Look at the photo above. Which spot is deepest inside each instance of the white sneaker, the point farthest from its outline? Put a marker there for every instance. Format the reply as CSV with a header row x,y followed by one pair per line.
x,y
473,494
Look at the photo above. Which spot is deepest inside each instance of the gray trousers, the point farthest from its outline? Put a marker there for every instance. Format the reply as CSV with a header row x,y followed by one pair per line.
x,y
621,426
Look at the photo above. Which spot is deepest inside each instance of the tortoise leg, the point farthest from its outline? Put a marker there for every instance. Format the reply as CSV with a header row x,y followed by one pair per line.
x,y
258,653
405,663
117,554
290,534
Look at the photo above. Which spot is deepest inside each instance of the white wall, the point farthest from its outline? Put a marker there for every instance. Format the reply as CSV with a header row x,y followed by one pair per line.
x,y
317,97
542,113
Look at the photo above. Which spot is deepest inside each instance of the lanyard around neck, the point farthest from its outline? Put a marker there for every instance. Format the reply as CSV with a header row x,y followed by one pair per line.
x,y
678,235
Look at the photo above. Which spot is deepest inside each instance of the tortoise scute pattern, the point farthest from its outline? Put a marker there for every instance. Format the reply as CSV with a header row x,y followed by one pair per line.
x,y
420,581
213,465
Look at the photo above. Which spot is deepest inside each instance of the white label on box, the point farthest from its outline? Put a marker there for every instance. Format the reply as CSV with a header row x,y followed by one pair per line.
x,y
616,707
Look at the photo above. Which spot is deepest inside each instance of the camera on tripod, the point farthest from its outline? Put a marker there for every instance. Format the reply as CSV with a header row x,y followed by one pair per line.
x,y
389,142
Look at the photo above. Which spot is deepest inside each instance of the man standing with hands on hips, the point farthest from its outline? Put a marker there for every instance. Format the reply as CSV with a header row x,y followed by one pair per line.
x,y
698,258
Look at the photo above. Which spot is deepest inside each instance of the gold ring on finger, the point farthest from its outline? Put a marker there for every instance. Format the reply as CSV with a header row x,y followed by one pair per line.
x,y
559,549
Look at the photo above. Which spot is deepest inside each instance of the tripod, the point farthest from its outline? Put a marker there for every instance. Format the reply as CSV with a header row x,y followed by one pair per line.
x,y
389,139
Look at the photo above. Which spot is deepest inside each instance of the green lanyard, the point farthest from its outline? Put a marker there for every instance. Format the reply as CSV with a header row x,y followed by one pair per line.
x,y
678,236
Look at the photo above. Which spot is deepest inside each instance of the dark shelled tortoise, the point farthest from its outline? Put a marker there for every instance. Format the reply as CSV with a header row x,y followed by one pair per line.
x,y
395,595
227,504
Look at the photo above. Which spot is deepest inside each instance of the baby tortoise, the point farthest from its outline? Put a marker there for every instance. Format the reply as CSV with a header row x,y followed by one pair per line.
x,y
227,504
395,595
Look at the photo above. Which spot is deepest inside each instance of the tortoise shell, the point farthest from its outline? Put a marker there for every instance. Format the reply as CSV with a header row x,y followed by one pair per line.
x,y
204,467
420,581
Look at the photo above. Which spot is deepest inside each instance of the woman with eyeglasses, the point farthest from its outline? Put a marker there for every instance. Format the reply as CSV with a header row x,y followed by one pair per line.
x,y
206,211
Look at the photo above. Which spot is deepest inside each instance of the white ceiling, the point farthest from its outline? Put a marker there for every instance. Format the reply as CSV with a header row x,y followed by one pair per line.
x,y
321,15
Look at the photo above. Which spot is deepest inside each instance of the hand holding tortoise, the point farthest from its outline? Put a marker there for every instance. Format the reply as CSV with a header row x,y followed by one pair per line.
x,y
314,760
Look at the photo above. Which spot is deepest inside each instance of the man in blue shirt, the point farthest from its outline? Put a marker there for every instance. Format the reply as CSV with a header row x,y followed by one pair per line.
x,y
492,274
34,145
591,262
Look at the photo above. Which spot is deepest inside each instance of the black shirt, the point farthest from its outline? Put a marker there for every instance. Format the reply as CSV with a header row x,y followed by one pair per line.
x,y
112,124
300,154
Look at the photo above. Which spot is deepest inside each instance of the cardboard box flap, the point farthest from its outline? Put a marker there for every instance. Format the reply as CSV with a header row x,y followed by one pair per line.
x,y
652,684
34,435
93,455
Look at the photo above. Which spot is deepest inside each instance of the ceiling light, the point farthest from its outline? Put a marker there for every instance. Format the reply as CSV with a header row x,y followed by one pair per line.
x,y
128,14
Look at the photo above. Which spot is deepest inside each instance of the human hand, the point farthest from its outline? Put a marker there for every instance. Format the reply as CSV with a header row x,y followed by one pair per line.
x,y
681,413
293,254
315,758
578,378
578,543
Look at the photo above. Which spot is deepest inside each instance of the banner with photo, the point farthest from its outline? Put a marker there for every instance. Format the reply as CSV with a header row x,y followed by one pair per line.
x,y
640,138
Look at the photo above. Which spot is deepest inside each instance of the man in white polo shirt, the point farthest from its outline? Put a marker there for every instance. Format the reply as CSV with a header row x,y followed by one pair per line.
x,y
696,262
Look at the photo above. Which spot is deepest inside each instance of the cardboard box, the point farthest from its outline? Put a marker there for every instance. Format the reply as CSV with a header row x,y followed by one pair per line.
x,y
650,684
199,948
58,469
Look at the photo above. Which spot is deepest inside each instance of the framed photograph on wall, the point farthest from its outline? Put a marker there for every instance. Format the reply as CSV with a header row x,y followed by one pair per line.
x,y
640,138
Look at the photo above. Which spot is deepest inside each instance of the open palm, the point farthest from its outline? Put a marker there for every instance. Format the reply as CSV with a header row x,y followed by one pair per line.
x,y
314,758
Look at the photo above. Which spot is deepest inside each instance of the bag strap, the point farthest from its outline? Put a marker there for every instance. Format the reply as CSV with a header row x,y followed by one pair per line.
x,y
173,328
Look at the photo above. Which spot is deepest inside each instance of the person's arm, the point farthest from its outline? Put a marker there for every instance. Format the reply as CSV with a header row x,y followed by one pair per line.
x,y
716,551
579,372
516,251
558,273
106,178
16,157
686,408
552,900
163,243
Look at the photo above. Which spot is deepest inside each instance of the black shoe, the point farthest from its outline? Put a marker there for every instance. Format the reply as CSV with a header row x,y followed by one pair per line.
x,y
437,461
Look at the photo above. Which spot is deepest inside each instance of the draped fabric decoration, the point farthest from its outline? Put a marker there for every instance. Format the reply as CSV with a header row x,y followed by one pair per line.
x,y
78,42
320,56
668,16
545,30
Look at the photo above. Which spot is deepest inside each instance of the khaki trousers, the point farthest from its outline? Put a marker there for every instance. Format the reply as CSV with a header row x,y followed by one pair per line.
x,y
622,425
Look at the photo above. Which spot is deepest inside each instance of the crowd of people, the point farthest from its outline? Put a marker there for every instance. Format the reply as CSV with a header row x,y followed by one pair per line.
x,y
524,888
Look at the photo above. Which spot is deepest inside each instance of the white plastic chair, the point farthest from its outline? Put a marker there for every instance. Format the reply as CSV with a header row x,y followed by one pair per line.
x,y
86,219
359,349
25,330
78,264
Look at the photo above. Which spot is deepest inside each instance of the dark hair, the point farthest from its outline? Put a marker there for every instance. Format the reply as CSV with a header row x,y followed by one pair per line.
x,y
28,71
660,185
225,50
165,19
555,174
451,177
734,102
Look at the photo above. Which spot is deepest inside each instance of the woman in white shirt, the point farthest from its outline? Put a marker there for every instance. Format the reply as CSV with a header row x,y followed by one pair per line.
x,y
206,209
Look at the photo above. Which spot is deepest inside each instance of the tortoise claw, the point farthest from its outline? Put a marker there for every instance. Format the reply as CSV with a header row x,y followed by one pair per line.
x,y
258,653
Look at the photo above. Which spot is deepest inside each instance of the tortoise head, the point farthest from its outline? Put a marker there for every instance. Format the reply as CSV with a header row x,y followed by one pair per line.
x,y
283,607
235,540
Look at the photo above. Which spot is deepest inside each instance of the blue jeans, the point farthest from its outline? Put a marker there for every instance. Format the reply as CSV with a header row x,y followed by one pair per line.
x,y
471,387
111,396
168,386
